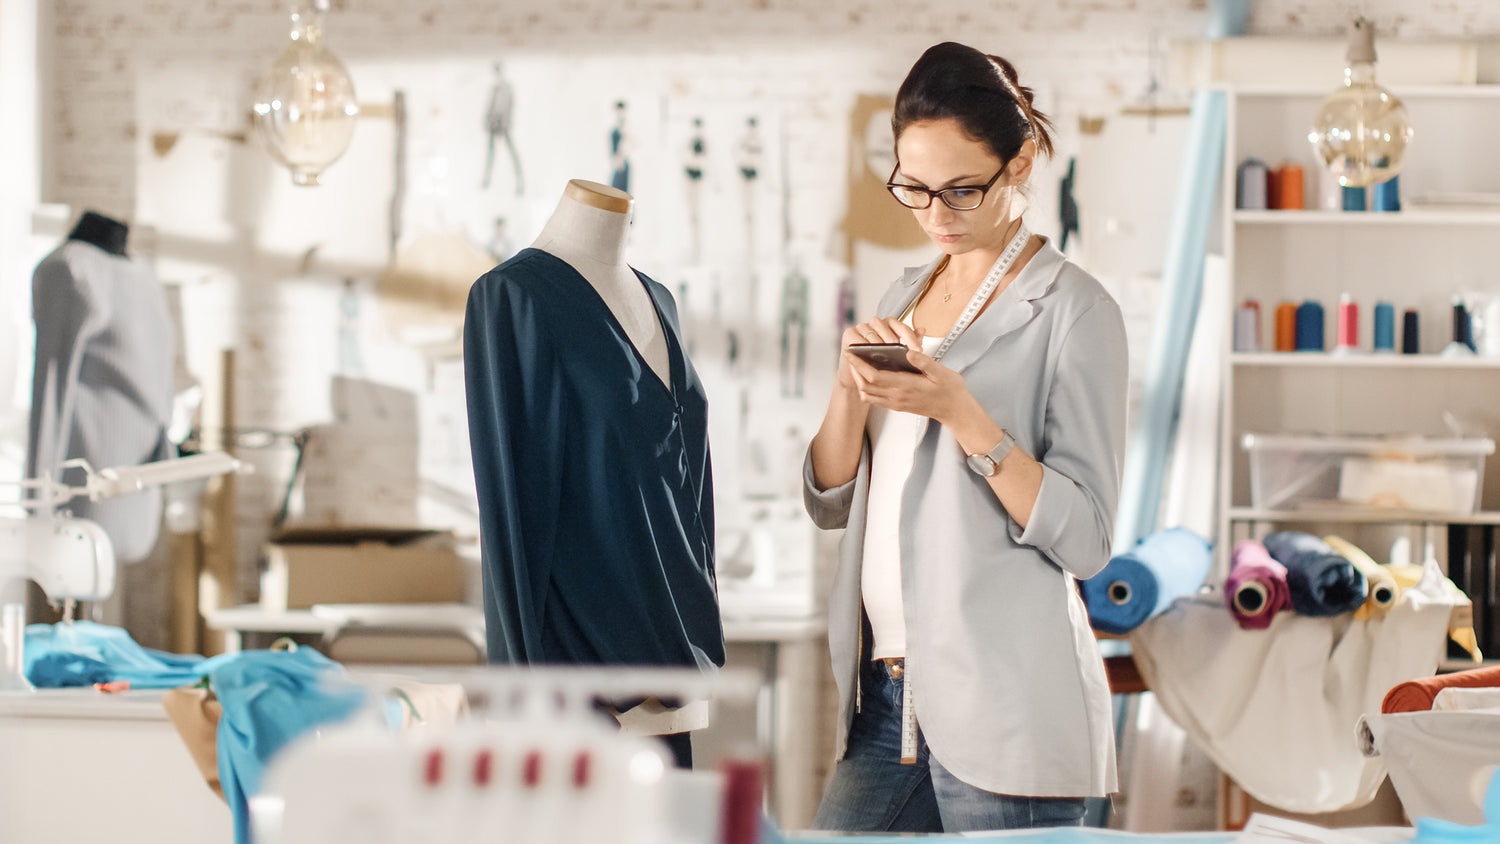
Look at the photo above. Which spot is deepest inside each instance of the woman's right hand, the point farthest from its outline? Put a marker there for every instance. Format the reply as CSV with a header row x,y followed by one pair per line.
x,y
877,330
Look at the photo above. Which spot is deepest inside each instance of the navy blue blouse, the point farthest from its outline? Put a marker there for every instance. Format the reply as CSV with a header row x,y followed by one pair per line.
x,y
595,489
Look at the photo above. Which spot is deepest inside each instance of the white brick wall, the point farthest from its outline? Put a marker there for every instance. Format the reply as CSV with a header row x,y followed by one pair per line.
x,y
1086,57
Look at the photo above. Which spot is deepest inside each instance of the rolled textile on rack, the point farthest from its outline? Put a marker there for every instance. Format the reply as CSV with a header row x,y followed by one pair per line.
x,y
1382,589
1417,695
1461,620
1320,581
1143,581
1256,590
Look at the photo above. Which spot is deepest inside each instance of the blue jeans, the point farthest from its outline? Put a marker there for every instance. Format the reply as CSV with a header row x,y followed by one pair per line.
x,y
871,791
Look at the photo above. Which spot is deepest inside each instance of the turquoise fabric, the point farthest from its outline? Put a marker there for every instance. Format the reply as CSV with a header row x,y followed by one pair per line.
x,y
84,653
269,699
1436,831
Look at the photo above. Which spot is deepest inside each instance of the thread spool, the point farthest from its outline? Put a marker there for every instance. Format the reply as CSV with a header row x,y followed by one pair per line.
x,y
1247,327
1385,327
1310,327
1410,340
1253,185
1387,195
1289,192
1491,345
1286,327
1461,332
1354,198
1348,337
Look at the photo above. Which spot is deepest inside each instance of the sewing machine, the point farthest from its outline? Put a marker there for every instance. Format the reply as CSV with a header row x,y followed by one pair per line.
x,y
71,559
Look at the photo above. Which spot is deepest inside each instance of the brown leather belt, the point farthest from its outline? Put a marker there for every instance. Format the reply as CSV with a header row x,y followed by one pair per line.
x,y
895,666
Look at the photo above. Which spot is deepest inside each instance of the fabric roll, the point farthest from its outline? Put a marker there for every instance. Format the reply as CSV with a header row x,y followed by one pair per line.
x,y
1417,695
1382,590
1144,581
1320,581
1461,621
1256,590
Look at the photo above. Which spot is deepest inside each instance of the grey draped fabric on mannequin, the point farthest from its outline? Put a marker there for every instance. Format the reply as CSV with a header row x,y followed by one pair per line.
x,y
102,387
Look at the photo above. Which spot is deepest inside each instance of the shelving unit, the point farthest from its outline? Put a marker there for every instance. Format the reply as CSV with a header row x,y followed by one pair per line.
x,y
1360,361
1417,258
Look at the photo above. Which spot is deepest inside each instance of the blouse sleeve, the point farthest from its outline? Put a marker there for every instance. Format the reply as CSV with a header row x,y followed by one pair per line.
x,y
1073,518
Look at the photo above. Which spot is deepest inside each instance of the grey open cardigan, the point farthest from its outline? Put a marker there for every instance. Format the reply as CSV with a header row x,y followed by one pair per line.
x,y
1010,690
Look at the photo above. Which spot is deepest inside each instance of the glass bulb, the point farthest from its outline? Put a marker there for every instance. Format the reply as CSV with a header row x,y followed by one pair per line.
x,y
305,107
1361,129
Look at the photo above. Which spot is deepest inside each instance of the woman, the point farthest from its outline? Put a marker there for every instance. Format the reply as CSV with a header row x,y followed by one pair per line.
x,y
974,492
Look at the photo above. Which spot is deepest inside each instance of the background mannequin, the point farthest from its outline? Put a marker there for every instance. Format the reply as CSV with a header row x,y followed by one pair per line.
x,y
103,382
589,432
588,231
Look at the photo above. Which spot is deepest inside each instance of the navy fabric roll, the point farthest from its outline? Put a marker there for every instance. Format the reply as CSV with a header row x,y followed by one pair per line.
x,y
1322,581
1145,580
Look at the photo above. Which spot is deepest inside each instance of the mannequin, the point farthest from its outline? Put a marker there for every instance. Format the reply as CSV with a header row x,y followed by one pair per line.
x,y
589,432
102,385
588,231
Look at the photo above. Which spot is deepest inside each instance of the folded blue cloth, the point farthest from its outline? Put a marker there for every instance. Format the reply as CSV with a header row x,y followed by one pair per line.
x,y
1145,580
1319,580
84,653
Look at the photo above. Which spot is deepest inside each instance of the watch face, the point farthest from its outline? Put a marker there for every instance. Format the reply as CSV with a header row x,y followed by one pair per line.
x,y
982,464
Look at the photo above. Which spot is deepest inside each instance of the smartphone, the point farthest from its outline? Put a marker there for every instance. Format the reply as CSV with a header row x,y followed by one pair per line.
x,y
887,356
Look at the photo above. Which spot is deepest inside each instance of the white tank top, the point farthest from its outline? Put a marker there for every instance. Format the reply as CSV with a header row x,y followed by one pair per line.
x,y
893,445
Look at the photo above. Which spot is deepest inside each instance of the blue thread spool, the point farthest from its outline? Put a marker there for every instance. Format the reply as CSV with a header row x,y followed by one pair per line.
x,y
1354,199
1387,195
1310,327
1385,327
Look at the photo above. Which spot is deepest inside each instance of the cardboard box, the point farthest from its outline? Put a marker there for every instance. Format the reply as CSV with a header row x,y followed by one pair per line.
x,y
304,566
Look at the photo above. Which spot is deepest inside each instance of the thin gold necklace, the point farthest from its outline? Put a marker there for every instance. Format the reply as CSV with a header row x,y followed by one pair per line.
x,y
949,296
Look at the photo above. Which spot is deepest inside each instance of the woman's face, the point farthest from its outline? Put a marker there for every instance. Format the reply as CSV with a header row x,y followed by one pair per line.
x,y
937,154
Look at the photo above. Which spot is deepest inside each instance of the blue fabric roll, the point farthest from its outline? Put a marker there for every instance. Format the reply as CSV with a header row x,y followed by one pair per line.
x,y
1322,582
1152,434
1145,580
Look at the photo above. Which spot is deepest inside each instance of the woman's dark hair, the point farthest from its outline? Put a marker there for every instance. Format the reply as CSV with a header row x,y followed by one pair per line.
x,y
981,92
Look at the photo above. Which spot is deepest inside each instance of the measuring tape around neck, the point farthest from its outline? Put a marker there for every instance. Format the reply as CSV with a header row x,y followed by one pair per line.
x,y
982,295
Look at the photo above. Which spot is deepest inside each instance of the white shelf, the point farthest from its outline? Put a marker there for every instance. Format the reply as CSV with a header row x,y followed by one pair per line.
x,y
1354,516
1449,666
1423,216
1360,360
1405,92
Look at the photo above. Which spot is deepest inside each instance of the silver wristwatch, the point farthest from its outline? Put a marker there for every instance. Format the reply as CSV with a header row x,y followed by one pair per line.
x,y
988,464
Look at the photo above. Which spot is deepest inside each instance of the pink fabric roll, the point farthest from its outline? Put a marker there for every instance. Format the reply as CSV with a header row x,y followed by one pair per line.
x,y
1256,589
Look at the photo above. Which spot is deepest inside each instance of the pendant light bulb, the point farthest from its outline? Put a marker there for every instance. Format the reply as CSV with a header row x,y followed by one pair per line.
x,y
304,106
1361,129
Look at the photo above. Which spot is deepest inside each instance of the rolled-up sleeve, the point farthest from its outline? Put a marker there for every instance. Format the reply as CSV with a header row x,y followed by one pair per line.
x,y
829,508
1073,517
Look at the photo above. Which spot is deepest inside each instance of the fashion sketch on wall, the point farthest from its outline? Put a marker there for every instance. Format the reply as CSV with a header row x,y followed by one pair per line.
x,y
619,151
497,124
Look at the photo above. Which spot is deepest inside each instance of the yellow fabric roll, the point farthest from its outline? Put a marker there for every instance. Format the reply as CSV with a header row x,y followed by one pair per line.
x,y
1460,622
1382,587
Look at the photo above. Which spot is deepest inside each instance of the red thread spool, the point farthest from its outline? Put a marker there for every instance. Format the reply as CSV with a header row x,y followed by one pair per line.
x,y
1348,322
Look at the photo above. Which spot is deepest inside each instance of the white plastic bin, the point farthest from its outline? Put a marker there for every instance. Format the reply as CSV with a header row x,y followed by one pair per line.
x,y
1402,473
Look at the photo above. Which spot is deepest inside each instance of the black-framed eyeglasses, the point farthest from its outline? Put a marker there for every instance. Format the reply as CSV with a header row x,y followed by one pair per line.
x,y
958,197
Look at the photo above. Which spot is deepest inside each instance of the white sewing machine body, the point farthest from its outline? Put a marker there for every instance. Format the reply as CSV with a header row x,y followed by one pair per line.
x,y
69,558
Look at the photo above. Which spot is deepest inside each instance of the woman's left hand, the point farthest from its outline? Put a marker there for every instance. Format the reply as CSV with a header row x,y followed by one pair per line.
x,y
936,392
